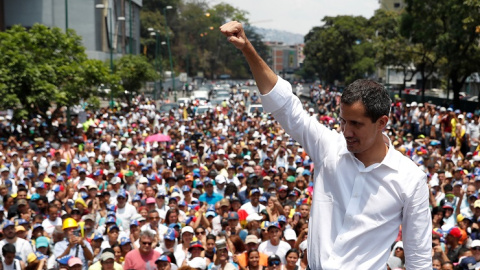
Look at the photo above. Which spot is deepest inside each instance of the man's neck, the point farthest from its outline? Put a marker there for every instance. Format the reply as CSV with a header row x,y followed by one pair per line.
x,y
12,240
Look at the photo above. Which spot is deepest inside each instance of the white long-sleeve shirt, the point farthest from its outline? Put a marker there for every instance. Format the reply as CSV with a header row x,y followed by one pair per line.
x,y
356,211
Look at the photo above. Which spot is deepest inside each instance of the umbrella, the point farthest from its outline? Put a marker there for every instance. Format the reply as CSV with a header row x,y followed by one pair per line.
x,y
158,138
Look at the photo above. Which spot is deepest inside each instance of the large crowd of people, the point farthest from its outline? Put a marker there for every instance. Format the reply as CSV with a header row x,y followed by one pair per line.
x,y
133,188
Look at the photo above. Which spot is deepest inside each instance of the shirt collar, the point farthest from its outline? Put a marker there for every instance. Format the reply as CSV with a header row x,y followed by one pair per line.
x,y
390,160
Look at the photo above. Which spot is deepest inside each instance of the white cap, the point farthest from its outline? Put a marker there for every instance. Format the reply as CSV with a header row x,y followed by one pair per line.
x,y
197,263
143,180
290,234
220,179
434,183
475,243
254,216
115,180
221,152
187,229
303,246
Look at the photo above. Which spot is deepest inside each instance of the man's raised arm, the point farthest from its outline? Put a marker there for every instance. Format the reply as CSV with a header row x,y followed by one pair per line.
x,y
264,76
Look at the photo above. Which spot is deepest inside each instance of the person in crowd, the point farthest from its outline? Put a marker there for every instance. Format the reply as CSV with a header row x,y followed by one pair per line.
x,y
145,256
74,244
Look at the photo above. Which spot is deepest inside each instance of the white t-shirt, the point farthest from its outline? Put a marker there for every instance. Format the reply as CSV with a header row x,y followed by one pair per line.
x,y
250,209
22,246
49,226
125,215
280,250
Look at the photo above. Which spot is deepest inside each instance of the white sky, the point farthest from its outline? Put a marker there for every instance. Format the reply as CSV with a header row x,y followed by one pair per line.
x,y
299,16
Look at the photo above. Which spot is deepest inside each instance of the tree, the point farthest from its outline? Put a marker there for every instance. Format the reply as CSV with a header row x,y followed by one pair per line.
x,y
196,44
391,48
448,29
341,49
133,71
43,66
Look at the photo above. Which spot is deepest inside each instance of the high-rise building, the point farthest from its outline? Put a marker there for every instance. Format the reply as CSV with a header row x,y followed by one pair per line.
x,y
99,22
285,59
392,5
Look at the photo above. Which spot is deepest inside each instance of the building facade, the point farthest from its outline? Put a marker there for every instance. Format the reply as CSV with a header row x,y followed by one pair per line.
x,y
285,59
392,5
99,22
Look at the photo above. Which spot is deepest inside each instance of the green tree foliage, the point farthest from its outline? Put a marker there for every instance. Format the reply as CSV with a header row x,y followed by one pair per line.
x,y
341,49
133,71
197,45
448,30
42,67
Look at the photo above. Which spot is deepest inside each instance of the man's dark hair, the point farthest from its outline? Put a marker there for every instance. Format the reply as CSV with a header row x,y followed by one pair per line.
x,y
8,248
373,96
44,199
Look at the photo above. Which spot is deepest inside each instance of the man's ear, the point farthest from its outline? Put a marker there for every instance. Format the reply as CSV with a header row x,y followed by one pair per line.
x,y
382,122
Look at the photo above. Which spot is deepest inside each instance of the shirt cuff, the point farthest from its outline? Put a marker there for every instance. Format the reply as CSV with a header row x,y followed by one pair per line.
x,y
278,96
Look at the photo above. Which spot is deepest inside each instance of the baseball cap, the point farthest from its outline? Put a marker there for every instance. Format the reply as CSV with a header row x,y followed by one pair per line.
x,y
150,200
475,243
124,241
455,232
224,202
290,234
98,236
107,256
22,202
170,234
273,225
163,258
232,216
254,191
122,193
221,244
115,180
74,261
187,229
196,244
64,260
41,241
197,263
251,239
254,216
291,179
450,205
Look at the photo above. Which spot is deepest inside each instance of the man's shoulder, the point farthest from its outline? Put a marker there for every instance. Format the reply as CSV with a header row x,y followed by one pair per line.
x,y
132,253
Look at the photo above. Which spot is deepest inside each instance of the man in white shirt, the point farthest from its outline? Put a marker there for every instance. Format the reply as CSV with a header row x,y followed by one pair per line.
x,y
125,211
364,188
52,220
23,247
254,205
274,245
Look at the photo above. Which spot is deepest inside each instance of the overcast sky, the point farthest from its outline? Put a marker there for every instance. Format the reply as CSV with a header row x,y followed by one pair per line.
x,y
299,16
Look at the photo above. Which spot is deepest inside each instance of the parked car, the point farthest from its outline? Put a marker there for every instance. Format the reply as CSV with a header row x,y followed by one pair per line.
x,y
167,107
203,109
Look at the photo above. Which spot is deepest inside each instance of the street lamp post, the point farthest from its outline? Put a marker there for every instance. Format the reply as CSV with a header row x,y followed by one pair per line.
x,y
130,40
158,66
66,32
170,51
102,6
